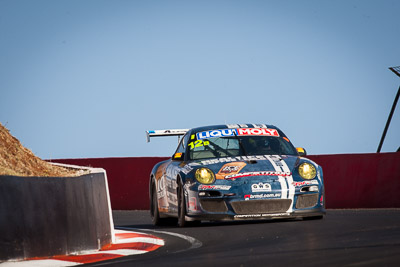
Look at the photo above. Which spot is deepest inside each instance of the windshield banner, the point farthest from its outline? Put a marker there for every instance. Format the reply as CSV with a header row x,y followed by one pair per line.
x,y
240,132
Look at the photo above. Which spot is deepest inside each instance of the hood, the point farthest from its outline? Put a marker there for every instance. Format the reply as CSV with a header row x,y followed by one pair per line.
x,y
241,166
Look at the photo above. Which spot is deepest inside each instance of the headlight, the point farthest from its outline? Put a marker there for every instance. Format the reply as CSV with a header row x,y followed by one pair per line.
x,y
204,176
307,171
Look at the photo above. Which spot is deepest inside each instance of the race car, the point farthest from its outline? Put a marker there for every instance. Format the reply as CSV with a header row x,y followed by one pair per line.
x,y
234,172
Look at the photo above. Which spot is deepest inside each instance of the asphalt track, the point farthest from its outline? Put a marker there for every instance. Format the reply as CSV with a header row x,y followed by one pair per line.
x,y
342,238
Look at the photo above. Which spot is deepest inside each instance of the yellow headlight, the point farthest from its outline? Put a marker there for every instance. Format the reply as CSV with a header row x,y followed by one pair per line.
x,y
204,176
307,171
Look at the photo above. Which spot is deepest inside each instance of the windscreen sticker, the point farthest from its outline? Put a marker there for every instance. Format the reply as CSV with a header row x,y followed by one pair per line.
x,y
216,133
238,131
257,131
198,143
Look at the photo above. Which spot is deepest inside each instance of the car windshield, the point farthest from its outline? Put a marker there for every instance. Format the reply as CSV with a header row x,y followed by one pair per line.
x,y
239,146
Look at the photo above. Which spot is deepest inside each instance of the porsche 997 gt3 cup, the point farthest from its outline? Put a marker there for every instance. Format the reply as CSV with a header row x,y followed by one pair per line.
x,y
234,172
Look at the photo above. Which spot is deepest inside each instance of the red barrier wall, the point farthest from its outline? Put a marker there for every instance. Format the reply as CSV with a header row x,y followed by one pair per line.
x,y
128,179
361,180
351,180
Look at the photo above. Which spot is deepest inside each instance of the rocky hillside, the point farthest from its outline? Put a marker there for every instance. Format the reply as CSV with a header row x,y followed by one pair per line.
x,y
17,160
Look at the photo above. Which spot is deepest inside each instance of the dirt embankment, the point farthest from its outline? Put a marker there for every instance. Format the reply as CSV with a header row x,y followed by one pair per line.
x,y
17,160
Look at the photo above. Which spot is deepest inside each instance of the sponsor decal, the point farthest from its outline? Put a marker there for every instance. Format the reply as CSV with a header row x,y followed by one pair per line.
x,y
198,143
305,183
261,187
261,196
262,173
186,169
215,133
234,159
214,187
171,172
257,131
237,131
160,188
230,168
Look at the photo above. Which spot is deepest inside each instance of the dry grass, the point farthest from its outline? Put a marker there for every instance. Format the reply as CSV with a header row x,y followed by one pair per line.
x,y
17,160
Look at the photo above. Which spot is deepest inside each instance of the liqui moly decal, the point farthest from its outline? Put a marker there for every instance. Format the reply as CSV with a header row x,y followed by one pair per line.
x,y
216,133
257,131
238,131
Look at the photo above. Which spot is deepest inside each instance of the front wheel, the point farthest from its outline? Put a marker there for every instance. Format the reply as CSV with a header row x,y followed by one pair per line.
x,y
181,207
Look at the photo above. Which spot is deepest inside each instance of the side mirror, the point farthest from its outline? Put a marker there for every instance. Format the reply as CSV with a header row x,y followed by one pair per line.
x,y
178,156
301,151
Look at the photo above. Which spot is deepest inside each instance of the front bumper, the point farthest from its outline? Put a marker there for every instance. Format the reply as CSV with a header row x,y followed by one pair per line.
x,y
315,212
234,207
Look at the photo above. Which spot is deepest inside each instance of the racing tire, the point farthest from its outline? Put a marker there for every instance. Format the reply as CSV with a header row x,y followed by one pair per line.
x,y
181,207
154,213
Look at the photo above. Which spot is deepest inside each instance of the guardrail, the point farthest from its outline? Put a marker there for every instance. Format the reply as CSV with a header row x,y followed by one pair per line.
x,y
49,216
351,180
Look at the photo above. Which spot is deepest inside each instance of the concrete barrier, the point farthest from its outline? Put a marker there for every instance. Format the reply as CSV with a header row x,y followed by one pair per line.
x,y
351,180
47,216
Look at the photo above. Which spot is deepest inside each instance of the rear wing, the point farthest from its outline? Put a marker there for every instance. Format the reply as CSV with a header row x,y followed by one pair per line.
x,y
172,132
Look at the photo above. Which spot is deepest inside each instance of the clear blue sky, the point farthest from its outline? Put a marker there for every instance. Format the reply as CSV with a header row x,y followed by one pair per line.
x,y
87,78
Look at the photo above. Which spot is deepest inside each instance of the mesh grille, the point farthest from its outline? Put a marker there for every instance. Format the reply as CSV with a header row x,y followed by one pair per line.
x,y
213,205
306,201
261,206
